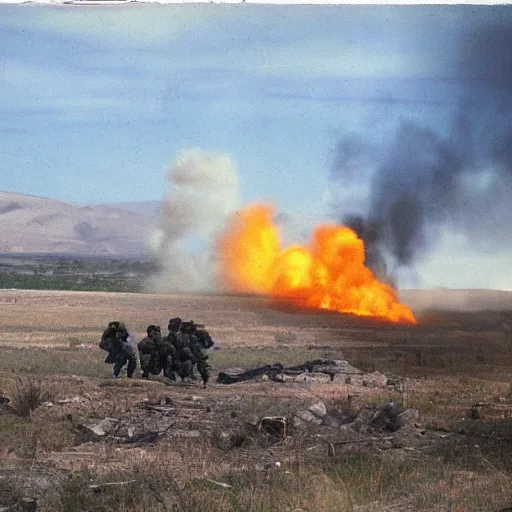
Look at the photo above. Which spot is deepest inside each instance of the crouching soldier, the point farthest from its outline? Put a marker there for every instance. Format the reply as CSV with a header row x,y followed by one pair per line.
x,y
169,352
198,340
115,341
149,355
183,359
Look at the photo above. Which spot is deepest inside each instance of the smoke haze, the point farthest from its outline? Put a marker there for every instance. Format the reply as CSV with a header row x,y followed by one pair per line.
x,y
204,193
428,176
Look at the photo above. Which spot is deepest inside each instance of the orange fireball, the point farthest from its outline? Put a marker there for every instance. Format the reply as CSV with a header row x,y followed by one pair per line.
x,y
328,274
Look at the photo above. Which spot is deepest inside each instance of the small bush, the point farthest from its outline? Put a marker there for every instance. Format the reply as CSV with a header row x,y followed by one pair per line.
x,y
27,395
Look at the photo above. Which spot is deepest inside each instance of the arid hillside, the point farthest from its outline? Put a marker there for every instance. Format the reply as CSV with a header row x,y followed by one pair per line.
x,y
32,225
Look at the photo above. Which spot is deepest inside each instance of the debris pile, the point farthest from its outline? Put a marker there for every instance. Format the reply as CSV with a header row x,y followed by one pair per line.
x,y
301,372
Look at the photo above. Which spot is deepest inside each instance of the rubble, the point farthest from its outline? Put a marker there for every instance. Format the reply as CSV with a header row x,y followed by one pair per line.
x,y
274,426
100,428
319,371
315,413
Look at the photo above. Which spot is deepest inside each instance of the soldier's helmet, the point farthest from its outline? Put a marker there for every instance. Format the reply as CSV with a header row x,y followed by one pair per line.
x,y
174,323
188,326
153,330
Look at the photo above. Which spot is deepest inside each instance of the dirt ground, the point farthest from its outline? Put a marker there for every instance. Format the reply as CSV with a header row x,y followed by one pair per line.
x,y
450,375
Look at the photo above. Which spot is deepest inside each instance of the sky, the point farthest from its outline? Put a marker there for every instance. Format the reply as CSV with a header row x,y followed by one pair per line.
x,y
394,119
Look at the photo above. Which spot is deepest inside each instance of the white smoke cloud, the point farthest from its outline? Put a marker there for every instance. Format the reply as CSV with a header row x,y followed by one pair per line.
x,y
205,192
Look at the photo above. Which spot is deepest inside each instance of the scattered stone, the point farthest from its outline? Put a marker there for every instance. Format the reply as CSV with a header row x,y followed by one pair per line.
x,y
74,400
302,417
315,414
318,409
408,417
100,428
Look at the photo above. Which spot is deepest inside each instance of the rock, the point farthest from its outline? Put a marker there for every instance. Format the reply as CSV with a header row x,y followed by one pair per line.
x,y
408,417
365,417
193,398
306,417
315,414
100,428
303,377
318,409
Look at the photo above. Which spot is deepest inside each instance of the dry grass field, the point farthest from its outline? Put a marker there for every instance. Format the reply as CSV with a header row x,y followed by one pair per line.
x,y
73,439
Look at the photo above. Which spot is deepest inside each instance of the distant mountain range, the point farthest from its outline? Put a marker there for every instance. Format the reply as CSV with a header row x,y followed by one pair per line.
x,y
36,225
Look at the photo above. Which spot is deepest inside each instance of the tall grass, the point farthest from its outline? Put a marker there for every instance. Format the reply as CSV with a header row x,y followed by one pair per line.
x,y
27,395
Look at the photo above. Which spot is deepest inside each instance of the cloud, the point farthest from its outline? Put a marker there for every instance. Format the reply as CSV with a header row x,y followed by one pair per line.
x,y
134,26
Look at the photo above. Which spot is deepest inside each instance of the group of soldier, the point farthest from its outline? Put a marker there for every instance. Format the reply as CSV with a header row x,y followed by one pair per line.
x,y
177,354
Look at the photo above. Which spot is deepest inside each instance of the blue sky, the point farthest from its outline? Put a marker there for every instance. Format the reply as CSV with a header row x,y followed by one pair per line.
x,y
97,102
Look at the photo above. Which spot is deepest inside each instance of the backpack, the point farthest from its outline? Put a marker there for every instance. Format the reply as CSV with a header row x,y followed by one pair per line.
x,y
106,344
107,339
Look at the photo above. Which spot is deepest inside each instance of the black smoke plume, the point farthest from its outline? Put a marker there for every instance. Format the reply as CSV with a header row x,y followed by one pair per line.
x,y
424,179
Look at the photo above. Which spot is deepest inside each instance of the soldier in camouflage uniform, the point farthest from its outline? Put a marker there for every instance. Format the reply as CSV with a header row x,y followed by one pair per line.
x,y
183,359
167,351
149,352
115,341
172,361
199,340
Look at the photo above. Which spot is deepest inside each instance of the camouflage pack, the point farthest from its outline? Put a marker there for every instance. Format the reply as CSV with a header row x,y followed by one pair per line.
x,y
106,344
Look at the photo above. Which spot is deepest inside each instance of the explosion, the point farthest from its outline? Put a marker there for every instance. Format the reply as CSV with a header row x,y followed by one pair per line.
x,y
327,274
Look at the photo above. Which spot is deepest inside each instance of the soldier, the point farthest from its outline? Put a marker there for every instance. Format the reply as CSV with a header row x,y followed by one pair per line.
x,y
183,357
199,340
171,359
149,354
115,341
167,350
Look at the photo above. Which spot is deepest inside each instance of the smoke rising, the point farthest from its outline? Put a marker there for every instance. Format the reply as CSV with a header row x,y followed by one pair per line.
x,y
204,193
456,175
